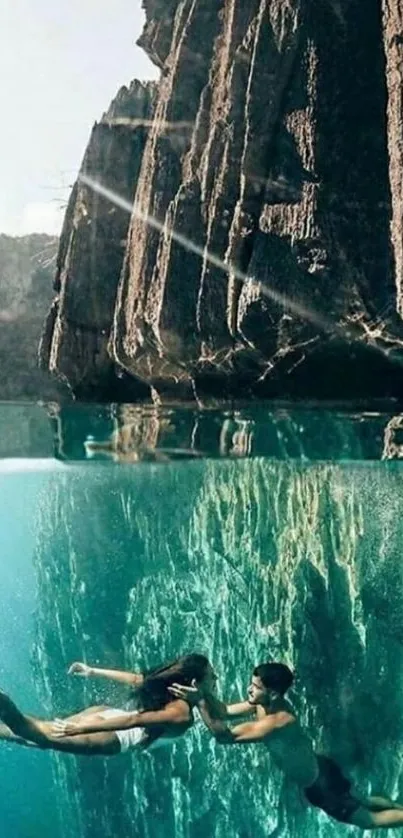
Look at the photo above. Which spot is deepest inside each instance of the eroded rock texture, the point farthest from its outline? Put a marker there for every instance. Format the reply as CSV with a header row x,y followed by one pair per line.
x,y
393,39
275,150
26,272
92,248
245,561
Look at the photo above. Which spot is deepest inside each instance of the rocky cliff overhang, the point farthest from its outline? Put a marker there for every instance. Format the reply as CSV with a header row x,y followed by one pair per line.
x,y
264,252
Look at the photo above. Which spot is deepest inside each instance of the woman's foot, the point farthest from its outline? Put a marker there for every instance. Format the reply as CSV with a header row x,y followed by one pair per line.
x,y
24,727
7,735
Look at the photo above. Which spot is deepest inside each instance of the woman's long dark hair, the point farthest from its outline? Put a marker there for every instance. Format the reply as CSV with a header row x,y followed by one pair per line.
x,y
153,694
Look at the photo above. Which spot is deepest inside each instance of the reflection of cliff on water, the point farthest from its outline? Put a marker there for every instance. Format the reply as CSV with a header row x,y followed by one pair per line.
x,y
244,560
129,433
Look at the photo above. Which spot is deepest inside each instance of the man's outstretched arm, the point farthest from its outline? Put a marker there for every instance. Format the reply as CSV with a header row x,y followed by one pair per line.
x,y
247,732
218,709
240,708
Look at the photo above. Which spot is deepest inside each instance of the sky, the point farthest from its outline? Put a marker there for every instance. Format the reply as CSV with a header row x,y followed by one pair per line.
x,y
60,66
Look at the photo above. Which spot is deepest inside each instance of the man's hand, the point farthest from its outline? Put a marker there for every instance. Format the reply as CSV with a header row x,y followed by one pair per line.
x,y
80,669
62,727
193,694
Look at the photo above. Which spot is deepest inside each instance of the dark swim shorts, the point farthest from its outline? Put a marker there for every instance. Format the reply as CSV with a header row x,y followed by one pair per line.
x,y
331,792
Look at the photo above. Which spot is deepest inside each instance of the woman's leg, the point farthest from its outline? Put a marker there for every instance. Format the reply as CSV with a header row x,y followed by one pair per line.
x,y
90,711
40,732
6,735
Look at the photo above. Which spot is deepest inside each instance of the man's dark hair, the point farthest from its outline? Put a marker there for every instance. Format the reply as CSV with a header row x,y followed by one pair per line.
x,y
274,676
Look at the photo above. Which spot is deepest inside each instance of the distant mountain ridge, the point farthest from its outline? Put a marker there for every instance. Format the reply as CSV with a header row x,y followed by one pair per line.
x,y
27,266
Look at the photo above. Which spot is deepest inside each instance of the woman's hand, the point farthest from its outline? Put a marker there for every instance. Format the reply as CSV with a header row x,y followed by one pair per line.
x,y
193,694
80,669
62,727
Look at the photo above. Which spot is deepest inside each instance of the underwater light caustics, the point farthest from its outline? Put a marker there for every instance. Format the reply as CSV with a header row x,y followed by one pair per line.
x,y
297,308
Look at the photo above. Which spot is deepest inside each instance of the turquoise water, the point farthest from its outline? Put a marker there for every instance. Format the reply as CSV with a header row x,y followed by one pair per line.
x,y
247,556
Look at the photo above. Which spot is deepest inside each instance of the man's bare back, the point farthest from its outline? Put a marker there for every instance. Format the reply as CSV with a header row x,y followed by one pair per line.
x,y
276,726
289,746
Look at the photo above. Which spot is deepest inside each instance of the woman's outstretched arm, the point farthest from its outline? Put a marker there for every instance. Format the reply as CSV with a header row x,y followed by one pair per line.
x,y
83,670
176,712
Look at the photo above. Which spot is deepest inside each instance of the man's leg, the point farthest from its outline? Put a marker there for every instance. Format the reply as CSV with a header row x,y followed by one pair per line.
x,y
367,819
377,803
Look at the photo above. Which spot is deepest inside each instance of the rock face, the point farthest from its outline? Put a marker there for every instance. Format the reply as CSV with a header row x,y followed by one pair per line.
x,y
245,560
393,40
26,271
92,249
264,254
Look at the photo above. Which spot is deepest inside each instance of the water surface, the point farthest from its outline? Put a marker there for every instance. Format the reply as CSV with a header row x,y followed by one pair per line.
x,y
274,535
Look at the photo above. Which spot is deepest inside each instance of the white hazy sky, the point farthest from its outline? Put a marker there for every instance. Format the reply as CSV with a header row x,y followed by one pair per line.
x,y
60,65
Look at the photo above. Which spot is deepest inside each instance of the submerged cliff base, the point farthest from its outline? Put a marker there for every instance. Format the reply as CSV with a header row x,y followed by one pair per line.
x,y
245,561
264,256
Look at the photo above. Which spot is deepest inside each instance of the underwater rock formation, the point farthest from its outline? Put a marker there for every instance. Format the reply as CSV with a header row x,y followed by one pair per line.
x,y
243,560
275,150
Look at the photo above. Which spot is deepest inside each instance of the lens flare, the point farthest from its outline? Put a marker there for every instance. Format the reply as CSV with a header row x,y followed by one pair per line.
x,y
366,338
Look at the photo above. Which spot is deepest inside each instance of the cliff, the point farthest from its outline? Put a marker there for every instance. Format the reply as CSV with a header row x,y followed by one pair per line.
x,y
243,560
263,256
26,272
91,252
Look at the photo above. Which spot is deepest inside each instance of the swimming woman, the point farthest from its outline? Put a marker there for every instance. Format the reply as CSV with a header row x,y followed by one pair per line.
x,y
104,731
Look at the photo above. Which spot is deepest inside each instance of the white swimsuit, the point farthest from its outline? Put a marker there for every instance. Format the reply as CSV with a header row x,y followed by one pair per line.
x,y
133,737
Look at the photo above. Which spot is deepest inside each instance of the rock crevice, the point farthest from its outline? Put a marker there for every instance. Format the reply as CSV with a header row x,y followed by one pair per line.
x,y
273,150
